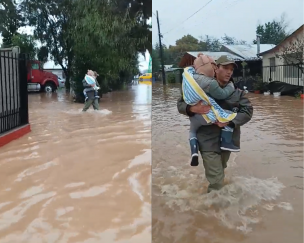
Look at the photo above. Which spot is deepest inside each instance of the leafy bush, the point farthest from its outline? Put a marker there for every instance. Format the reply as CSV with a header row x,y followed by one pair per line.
x,y
260,85
171,78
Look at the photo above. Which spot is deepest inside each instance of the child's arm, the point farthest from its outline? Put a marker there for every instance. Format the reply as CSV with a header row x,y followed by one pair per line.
x,y
219,93
85,84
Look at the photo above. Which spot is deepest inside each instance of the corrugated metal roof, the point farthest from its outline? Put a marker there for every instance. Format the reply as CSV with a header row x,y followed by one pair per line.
x,y
216,55
248,52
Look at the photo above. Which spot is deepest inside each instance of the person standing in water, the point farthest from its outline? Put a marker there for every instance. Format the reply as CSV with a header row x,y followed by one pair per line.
x,y
198,84
209,136
96,87
91,98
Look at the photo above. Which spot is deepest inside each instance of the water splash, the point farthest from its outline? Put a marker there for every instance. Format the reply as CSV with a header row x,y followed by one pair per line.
x,y
90,111
236,206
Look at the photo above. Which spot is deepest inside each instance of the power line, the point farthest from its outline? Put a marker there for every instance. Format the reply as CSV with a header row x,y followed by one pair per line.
x,y
189,17
226,6
165,41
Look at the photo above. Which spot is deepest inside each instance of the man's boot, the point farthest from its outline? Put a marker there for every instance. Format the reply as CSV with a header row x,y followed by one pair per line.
x,y
194,152
227,143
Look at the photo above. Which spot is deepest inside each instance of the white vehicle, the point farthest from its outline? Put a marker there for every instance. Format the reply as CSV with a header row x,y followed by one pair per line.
x,y
61,82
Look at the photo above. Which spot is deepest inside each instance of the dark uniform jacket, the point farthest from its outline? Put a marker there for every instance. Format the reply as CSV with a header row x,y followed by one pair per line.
x,y
209,136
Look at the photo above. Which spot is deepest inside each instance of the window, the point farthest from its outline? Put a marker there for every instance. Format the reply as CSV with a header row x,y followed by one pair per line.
x,y
35,66
272,64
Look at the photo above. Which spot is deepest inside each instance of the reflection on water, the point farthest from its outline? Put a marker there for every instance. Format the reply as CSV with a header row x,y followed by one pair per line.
x,y
79,177
263,195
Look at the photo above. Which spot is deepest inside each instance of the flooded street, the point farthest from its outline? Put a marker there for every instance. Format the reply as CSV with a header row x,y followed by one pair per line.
x,y
79,177
263,198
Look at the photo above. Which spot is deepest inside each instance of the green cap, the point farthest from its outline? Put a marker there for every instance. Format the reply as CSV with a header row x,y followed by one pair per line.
x,y
224,60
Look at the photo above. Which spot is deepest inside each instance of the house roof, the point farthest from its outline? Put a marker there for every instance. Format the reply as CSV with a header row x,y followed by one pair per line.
x,y
216,55
248,52
278,45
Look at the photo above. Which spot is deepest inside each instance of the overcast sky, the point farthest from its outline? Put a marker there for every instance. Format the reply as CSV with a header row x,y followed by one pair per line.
x,y
236,18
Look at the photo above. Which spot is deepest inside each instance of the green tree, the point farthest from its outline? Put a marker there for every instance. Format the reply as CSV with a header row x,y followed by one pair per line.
x,y
173,54
141,11
43,54
182,45
98,34
211,43
190,43
52,22
167,55
111,44
10,21
272,32
155,60
228,40
26,44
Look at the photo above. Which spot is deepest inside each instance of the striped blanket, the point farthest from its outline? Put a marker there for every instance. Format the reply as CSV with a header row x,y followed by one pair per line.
x,y
192,94
91,81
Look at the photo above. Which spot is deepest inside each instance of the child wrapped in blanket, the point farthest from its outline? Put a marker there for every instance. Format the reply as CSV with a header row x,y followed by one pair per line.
x,y
88,78
198,84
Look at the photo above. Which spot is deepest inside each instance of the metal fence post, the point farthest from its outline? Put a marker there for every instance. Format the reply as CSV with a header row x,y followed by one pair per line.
x,y
299,76
24,117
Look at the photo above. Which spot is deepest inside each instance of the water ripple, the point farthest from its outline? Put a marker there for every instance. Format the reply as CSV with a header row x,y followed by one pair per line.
x,y
261,193
57,182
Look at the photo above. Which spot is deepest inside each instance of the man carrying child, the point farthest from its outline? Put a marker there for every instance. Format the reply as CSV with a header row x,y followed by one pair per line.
x,y
91,95
209,136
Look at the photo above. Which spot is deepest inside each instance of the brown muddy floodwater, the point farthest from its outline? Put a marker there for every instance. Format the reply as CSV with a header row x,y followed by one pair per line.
x,y
79,177
263,200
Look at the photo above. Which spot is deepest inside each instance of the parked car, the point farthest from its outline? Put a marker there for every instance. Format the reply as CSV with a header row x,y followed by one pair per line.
x,y
61,82
145,79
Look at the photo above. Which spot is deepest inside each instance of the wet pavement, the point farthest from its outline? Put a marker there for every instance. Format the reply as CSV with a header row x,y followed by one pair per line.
x,y
263,198
79,177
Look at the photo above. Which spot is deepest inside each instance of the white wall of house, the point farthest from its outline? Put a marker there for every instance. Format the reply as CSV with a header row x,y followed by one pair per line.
x,y
280,72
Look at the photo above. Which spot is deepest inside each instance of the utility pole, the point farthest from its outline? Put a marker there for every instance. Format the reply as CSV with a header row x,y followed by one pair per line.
x,y
161,50
258,39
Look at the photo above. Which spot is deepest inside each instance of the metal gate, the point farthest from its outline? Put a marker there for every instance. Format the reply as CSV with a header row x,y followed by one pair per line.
x,y
13,90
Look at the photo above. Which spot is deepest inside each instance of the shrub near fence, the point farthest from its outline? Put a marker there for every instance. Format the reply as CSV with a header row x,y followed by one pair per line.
x,y
171,78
